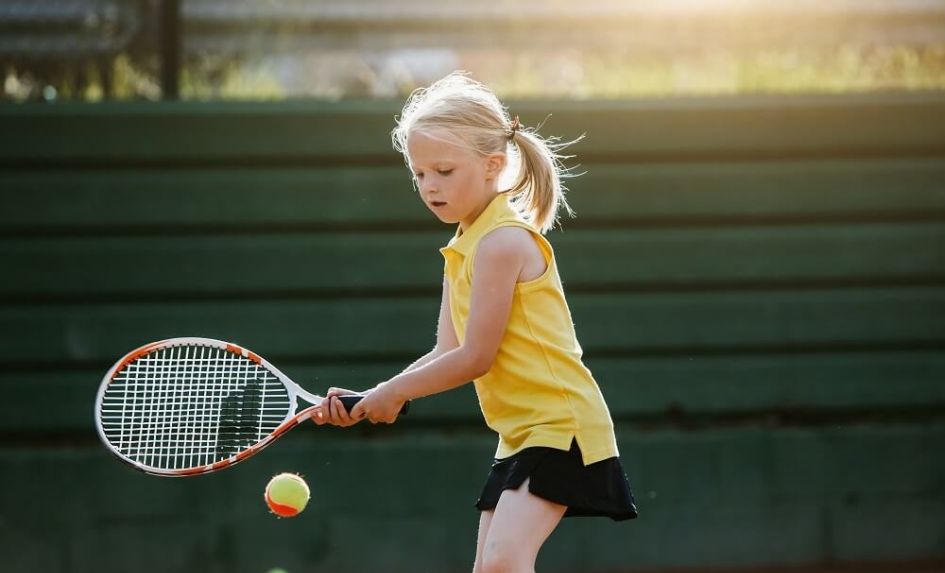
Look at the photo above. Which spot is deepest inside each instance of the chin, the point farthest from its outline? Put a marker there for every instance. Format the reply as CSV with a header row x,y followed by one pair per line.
x,y
445,218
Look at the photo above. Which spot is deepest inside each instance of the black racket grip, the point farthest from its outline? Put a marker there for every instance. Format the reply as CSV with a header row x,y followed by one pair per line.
x,y
349,400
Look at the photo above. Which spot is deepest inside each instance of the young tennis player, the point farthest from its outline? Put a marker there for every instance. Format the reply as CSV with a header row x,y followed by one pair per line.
x,y
503,323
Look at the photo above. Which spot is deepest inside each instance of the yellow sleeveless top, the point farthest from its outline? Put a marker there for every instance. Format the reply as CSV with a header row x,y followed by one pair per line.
x,y
538,391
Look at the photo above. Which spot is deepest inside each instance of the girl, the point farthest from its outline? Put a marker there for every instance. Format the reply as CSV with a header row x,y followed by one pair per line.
x,y
503,323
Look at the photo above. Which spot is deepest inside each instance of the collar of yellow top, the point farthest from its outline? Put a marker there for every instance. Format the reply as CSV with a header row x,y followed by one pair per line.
x,y
463,242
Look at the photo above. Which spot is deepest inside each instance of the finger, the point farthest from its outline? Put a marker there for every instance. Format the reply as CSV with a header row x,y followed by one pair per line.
x,y
358,412
337,410
339,392
333,412
343,415
319,417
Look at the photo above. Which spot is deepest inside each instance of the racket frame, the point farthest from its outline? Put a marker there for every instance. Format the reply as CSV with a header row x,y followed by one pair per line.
x,y
291,419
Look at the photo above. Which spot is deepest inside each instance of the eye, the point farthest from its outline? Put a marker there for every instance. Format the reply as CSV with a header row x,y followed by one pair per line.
x,y
445,171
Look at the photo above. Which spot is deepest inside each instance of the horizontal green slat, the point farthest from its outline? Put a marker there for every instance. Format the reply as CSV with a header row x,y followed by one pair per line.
x,y
757,126
372,327
228,264
813,189
834,383
754,125
724,494
199,131
332,262
232,196
693,321
640,387
359,195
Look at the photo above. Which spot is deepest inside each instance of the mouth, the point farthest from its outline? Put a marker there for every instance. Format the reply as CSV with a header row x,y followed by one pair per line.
x,y
436,204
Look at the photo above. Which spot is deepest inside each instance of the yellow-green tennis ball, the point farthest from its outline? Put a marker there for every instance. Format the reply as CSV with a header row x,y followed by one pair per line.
x,y
287,494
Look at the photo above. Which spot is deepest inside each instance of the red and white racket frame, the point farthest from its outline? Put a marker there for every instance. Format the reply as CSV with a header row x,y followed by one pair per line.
x,y
291,420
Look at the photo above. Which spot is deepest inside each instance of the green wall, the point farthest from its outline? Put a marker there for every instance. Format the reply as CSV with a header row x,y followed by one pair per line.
x,y
758,284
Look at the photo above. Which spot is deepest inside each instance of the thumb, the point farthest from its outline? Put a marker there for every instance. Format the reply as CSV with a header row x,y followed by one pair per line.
x,y
357,412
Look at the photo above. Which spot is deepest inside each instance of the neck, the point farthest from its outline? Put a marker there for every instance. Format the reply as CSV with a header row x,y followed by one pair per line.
x,y
466,223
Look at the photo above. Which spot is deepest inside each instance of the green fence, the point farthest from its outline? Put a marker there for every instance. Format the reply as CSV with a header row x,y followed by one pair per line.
x,y
759,286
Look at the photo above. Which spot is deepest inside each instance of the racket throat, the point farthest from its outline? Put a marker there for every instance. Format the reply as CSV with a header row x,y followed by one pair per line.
x,y
308,396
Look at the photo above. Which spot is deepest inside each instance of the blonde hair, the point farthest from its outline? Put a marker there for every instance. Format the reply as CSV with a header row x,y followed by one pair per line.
x,y
469,111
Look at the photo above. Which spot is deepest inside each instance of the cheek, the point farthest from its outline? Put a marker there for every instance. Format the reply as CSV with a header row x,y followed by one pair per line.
x,y
468,179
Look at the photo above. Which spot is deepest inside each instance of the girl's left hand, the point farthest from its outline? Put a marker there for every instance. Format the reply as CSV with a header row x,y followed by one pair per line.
x,y
382,404
332,411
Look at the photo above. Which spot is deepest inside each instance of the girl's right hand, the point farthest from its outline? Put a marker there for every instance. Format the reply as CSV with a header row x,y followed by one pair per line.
x,y
332,411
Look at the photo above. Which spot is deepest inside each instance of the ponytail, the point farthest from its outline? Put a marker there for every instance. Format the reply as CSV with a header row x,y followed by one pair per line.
x,y
538,191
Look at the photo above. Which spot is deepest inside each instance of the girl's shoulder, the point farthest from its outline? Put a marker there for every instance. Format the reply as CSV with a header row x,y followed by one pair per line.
x,y
508,239
512,245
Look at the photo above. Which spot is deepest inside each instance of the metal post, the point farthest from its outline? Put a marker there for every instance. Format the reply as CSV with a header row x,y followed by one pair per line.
x,y
169,46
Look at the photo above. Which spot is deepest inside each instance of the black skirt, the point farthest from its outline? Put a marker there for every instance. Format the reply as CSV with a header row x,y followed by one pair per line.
x,y
600,489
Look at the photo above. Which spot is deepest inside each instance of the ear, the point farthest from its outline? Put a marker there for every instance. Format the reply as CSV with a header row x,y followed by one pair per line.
x,y
495,163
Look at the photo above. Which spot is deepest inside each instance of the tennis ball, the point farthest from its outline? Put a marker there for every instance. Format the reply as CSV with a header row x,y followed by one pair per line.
x,y
287,494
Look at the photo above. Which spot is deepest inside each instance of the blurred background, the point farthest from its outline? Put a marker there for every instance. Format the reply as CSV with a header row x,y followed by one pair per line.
x,y
756,273
94,50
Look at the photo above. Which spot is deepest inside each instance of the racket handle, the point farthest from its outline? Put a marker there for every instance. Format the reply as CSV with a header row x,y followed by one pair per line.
x,y
349,400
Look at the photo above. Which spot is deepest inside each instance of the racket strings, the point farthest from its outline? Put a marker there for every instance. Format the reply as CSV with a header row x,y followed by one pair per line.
x,y
191,405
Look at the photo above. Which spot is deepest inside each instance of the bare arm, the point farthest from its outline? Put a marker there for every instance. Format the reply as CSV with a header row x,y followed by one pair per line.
x,y
333,413
499,261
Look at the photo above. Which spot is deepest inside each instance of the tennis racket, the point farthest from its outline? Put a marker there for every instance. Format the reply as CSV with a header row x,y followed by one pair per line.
x,y
189,406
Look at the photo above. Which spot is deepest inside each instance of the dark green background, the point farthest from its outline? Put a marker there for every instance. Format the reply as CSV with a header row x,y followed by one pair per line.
x,y
758,283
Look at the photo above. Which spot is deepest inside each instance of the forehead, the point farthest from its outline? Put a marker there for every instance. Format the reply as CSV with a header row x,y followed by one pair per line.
x,y
429,147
